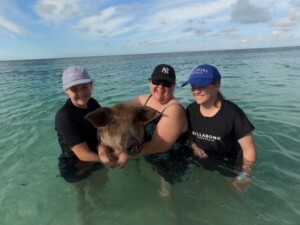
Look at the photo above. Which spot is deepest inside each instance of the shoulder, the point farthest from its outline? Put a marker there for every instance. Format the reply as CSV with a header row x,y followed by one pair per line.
x,y
142,99
138,100
174,107
63,117
237,114
231,106
63,111
93,103
192,106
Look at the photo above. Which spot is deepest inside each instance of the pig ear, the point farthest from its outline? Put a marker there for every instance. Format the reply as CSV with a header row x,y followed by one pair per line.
x,y
99,117
145,113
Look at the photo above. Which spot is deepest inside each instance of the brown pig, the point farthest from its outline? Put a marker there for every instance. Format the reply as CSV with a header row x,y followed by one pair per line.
x,y
121,127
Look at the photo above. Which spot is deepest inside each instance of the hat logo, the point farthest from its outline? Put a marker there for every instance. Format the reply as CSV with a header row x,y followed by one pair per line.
x,y
201,70
165,70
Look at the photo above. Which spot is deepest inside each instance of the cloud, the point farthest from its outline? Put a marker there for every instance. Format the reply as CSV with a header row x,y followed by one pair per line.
x,y
288,23
109,22
229,32
294,11
185,20
57,10
200,31
12,27
245,12
187,13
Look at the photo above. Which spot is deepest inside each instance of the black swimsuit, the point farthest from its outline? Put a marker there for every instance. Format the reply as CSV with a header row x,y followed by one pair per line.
x,y
173,163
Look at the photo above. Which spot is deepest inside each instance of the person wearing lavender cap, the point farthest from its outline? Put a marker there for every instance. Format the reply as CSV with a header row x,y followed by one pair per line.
x,y
220,132
77,137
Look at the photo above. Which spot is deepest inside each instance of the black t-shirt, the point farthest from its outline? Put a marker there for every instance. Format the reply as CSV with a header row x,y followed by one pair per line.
x,y
219,135
72,128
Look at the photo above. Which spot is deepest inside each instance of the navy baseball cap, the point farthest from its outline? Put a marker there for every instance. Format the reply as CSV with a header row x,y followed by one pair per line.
x,y
74,75
203,76
164,72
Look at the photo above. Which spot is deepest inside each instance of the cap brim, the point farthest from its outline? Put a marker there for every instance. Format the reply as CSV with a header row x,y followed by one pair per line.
x,y
185,83
163,78
198,82
76,82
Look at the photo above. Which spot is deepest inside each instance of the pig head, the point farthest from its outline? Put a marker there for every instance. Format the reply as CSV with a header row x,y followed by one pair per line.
x,y
121,127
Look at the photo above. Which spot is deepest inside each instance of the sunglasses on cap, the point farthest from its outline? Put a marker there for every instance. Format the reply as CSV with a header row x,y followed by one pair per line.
x,y
162,82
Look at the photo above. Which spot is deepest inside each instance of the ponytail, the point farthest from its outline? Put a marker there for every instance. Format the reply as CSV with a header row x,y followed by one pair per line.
x,y
220,96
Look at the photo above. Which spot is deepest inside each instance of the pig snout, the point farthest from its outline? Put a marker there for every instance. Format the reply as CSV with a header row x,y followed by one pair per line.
x,y
134,149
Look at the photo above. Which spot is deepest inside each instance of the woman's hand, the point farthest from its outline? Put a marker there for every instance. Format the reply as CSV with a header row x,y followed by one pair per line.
x,y
198,151
241,182
107,157
112,159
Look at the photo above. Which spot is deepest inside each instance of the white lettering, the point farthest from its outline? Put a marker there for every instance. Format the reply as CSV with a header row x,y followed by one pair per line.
x,y
201,70
165,70
207,137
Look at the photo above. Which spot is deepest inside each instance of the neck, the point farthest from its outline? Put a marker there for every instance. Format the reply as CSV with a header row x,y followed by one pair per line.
x,y
210,109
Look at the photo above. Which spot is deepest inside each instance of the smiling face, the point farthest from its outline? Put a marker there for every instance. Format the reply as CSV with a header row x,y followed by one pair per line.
x,y
206,95
80,94
161,93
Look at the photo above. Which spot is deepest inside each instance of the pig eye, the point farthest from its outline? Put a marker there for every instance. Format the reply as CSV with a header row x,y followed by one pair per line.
x,y
113,122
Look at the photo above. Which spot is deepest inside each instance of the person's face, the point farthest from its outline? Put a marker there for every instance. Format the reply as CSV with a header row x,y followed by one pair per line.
x,y
80,94
205,95
162,91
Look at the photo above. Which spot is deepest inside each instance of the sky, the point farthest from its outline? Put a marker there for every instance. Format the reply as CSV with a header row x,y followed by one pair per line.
x,y
38,29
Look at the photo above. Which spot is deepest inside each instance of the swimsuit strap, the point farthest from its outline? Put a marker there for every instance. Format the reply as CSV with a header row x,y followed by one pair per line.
x,y
148,99
175,103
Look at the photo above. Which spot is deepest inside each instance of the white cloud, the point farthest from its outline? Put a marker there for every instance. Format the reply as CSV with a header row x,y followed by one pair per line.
x,y
245,12
57,10
12,27
227,32
109,22
186,13
282,26
294,11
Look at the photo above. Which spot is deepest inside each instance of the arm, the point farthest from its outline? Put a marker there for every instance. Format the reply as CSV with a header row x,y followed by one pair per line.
x,y
249,158
171,125
169,128
249,152
83,153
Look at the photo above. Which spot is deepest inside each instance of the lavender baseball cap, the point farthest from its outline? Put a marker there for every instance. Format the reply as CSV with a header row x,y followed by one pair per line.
x,y
74,75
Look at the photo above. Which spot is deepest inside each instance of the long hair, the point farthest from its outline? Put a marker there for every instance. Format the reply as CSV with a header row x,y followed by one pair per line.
x,y
220,96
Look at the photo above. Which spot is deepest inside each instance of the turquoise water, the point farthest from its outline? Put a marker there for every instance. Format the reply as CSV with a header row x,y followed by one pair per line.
x,y
264,82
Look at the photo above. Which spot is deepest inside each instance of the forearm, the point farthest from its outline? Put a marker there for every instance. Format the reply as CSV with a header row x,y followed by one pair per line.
x,y
83,153
247,166
152,148
249,159
89,157
249,153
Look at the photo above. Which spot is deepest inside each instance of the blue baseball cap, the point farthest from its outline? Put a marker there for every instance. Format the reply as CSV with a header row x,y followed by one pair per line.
x,y
203,76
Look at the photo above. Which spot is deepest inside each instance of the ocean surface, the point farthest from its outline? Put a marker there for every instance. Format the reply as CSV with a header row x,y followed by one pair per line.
x,y
264,82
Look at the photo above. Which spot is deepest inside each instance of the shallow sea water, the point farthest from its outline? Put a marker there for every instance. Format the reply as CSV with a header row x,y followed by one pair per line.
x,y
264,82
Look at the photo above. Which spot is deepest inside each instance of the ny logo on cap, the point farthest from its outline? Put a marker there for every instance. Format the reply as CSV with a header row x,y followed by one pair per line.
x,y
165,70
